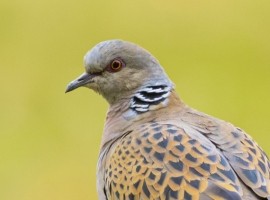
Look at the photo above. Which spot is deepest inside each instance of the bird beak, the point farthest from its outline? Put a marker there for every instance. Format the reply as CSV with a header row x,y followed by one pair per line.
x,y
80,81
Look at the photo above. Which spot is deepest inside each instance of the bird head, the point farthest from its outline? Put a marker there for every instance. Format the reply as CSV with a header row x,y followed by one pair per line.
x,y
117,68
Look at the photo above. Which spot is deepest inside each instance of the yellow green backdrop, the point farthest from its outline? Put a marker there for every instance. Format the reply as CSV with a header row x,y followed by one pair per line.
x,y
216,52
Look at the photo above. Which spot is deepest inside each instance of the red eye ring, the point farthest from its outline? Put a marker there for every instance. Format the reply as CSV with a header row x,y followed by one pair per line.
x,y
116,65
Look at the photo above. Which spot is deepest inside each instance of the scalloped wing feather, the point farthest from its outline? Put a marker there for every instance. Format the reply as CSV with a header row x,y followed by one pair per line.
x,y
250,163
247,159
164,162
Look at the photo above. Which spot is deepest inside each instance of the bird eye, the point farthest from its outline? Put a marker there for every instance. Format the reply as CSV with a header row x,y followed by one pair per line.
x,y
116,65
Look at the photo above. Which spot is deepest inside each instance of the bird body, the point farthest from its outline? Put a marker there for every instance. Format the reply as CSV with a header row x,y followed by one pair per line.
x,y
154,146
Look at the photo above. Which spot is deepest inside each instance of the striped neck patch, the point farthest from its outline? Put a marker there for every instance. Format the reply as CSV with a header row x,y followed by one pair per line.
x,y
148,96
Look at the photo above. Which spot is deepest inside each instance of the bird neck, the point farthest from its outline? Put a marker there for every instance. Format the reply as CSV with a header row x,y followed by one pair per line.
x,y
150,98
161,103
145,100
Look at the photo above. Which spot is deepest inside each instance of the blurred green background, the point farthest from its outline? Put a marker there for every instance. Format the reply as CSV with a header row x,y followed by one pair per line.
x,y
216,52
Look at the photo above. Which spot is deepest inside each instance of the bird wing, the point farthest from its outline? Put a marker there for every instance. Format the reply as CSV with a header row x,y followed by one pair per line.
x,y
163,161
245,156
250,163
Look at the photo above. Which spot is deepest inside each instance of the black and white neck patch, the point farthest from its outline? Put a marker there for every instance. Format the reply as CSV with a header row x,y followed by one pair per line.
x,y
150,95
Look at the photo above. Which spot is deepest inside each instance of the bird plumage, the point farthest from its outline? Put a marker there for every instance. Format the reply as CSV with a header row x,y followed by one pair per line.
x,y
154,146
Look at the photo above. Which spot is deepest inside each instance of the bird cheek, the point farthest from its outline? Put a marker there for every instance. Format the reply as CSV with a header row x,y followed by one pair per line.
x,y
102,83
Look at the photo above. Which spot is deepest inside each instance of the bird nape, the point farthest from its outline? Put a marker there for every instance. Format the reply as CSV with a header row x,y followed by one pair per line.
x,y
154,146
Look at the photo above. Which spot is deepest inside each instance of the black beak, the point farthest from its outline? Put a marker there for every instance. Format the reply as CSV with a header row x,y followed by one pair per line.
x,y
80,81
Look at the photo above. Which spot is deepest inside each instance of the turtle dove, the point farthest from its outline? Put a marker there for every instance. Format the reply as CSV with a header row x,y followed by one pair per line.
x,y
154,146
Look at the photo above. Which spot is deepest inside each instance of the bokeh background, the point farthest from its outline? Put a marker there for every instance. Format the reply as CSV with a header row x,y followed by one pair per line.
x,y
216,52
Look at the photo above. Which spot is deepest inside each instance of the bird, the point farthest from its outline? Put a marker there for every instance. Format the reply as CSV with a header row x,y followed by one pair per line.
x,y
154,146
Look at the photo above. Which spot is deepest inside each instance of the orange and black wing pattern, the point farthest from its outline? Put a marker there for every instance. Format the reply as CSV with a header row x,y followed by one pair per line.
x,y
162,161
249,162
